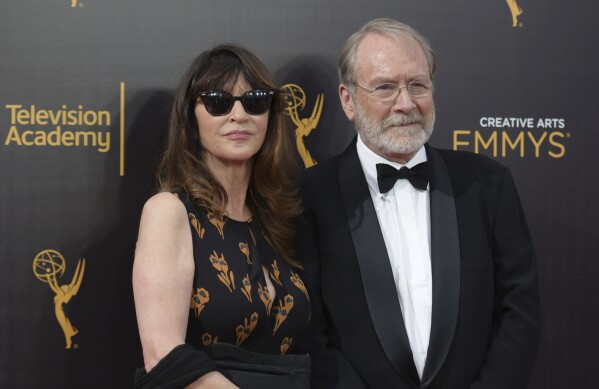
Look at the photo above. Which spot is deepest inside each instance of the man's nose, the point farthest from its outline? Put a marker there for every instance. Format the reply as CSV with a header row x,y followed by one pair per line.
x,y
404,101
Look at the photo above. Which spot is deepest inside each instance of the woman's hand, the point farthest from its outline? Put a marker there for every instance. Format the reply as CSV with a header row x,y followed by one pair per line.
x,y
212,380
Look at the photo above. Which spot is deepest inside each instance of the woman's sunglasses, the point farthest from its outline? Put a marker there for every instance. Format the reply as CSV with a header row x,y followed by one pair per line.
x,y
255,102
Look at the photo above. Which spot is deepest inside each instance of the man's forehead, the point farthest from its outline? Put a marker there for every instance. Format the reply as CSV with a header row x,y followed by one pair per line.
x,y
377,51
375,41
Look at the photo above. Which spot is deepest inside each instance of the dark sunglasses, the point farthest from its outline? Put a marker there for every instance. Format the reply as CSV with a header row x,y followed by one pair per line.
x,y
254,102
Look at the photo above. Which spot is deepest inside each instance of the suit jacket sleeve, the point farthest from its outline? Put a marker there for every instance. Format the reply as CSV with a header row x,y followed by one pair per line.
x,y
330,368
515,335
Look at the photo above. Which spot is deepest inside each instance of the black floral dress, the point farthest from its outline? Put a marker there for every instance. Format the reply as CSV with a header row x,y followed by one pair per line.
x,y
230,301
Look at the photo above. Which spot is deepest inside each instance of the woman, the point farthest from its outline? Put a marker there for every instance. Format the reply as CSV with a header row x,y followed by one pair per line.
x,y
213,262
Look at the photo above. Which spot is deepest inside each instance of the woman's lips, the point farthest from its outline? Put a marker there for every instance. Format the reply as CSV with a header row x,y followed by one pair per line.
x,y
238,134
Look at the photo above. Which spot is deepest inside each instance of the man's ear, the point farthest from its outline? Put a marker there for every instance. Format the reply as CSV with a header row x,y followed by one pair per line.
x,y
347,103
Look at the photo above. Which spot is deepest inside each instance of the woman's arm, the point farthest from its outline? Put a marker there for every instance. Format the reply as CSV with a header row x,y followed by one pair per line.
x,y
163,273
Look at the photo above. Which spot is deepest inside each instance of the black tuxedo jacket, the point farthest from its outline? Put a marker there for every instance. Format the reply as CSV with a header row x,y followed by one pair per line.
x,y
485,314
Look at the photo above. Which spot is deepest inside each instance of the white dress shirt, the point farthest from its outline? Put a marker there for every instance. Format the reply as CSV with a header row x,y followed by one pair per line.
x,y
404,216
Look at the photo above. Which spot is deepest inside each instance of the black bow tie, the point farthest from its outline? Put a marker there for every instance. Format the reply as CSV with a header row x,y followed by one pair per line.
x,y
387,175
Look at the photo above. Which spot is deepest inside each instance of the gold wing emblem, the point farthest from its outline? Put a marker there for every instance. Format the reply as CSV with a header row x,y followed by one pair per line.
x,y
296,100
515,10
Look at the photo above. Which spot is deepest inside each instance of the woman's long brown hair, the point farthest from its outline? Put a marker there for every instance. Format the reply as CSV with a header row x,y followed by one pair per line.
x,y
272,190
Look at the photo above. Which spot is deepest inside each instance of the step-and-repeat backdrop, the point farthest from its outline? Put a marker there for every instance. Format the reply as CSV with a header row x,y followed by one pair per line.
x,y
85,90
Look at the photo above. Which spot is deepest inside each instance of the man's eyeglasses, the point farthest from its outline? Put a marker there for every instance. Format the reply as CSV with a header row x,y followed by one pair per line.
x,y
389,91
254,102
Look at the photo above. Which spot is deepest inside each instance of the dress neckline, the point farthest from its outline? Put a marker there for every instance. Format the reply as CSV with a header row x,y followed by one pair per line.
x,y
248,221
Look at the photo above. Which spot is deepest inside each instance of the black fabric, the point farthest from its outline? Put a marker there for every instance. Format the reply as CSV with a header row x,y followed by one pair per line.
x,y
485,313
230,304
230,300
183,365
250,370
387,175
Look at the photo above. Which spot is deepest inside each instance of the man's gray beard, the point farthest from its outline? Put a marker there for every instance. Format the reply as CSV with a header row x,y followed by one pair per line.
x,y
389,140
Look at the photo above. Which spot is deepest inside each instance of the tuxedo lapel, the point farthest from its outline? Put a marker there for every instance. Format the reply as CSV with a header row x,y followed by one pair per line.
x,y
445,263
375,269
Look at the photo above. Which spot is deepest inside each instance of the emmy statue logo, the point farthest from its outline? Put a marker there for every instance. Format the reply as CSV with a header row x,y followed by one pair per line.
x,y
515,10
296,101
48,266
74,3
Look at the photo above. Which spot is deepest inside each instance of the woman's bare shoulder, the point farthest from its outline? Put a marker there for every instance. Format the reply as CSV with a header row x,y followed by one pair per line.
x,y
164,201
164,210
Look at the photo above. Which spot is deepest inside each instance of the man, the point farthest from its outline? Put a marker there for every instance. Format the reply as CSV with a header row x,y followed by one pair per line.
x,y
424,283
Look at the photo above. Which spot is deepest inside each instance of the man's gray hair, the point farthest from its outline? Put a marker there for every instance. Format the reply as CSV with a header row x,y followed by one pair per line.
x,y
346,65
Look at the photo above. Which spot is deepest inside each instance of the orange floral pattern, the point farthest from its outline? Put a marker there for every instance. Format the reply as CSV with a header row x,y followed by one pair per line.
x,y
196,224
246,250
283,310
243,292
225,276
199,299
297,281
246,287
218,223
244,330
265,297
285,344
274,274
208,339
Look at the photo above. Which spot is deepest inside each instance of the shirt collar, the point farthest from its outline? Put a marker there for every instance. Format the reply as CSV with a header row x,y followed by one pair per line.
x,y
369,159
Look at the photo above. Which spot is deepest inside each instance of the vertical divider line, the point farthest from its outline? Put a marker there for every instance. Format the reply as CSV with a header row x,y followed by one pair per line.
x,y
122,148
